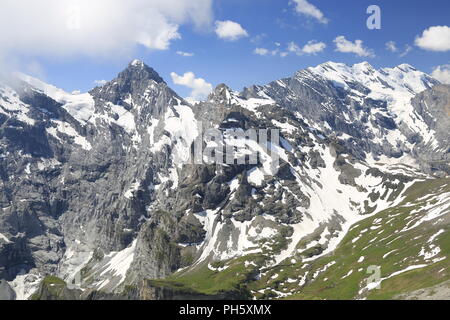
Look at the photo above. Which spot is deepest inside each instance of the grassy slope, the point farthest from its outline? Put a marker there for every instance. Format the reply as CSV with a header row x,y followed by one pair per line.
x,y
373,245
203,280
315,281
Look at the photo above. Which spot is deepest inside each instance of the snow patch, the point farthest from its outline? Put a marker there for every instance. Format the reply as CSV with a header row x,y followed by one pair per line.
x,y
4,238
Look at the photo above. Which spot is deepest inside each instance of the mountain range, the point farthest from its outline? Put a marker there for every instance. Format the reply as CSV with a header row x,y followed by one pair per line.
x,y
94,203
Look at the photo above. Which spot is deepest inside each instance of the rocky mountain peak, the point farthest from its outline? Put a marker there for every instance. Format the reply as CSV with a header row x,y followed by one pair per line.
x,y
137,63
222,94
137,84
138,71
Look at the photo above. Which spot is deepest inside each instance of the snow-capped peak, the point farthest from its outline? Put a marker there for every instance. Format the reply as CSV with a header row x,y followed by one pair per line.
x,y
49,90
401,78
79,105
137,63
137,70
363,66
221,92
406,67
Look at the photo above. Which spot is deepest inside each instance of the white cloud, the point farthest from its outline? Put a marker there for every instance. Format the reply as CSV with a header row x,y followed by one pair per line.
x,y
185,54
391,46
435,38
294,48
312,47
408,49
266,52
100,28
258,38
442,73
346,46
261,51
100,82
200,88
310,10
230,30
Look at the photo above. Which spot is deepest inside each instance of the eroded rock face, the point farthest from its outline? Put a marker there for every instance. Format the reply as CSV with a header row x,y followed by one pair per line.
x,y
434,107
6,292
92,189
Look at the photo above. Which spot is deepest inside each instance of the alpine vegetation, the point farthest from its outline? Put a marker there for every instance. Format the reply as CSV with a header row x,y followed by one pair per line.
x,y
329,184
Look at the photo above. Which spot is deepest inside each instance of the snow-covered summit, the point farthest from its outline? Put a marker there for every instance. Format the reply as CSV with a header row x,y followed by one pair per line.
x,y
401,78
137,70
79,105
137,63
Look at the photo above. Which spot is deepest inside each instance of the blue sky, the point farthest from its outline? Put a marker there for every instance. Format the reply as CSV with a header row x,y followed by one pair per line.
x,y
269,25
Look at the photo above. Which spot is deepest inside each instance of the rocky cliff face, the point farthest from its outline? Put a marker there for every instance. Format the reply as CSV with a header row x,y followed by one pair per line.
x,y
434,108
94,188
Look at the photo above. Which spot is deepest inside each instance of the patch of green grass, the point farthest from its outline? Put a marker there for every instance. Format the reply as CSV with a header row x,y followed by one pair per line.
x,y
51,287
53,281
203,280
411,281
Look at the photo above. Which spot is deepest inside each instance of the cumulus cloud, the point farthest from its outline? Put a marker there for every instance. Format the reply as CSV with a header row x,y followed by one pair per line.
x,y
309,10
442,73
185,54
200,88
267,52
391,46
435,38
230,30
346,46
294,48
95,28
312,47
262,51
